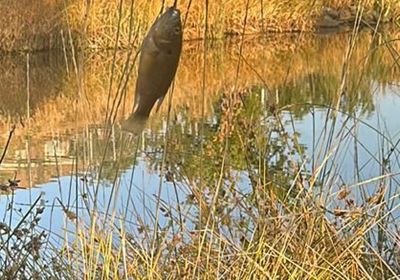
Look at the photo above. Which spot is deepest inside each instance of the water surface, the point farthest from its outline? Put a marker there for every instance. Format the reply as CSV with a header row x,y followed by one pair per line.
x,y
289,104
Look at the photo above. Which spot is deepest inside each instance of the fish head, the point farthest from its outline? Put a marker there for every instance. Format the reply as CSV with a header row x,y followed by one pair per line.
x,y
168,28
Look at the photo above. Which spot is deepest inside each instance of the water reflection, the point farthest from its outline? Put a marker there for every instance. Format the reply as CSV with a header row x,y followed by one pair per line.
x,y
275,123
47,75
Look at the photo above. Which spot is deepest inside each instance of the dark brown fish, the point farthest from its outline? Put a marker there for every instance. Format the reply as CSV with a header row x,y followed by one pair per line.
x,y
158,63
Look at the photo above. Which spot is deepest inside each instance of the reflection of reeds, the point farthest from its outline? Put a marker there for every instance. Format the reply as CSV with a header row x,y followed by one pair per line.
x,y
46,76
306,74
277,62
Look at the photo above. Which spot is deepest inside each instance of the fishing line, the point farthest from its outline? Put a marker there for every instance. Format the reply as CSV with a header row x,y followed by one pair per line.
x,y
187,12
162,7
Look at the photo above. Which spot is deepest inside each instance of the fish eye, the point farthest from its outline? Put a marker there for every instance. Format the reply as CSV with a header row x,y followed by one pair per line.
x,y
177,29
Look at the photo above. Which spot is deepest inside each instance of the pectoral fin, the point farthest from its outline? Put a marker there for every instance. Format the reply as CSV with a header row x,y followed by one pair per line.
x,y
159,102
136,102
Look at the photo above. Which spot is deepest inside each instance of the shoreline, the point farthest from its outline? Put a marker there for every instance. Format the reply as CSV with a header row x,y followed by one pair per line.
x,y
53,26
226,37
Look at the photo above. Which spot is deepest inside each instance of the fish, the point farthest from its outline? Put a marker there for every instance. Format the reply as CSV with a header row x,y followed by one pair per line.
x,y
158,63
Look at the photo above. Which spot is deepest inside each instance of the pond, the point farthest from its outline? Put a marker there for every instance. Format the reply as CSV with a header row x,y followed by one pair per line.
x,y
289,115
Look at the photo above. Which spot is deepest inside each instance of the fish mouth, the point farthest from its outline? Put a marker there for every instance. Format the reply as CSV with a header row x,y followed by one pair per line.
x,y
168,27
171,17
173,14
174,11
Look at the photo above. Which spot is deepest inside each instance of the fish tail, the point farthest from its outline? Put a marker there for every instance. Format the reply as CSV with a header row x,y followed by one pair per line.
x,y
135,123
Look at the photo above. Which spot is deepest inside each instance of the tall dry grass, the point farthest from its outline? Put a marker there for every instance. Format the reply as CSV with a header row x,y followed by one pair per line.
x,y
226,17
294,242
30,25
94,24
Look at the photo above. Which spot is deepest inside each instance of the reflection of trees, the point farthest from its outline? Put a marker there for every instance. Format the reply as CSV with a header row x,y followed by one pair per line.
x,y
370,63
321,89
280,62
112,153
184,149
254,147
307,74
317,84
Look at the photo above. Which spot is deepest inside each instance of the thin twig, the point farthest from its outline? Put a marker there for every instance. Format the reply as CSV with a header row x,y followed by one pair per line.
x,y
7,144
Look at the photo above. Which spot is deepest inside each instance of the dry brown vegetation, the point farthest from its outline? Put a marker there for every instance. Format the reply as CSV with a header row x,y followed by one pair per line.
x,y
33,25
30,25
224,17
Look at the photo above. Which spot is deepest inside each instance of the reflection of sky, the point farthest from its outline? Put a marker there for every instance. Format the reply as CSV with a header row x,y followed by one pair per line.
x,y
371,145
142,195
141,200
